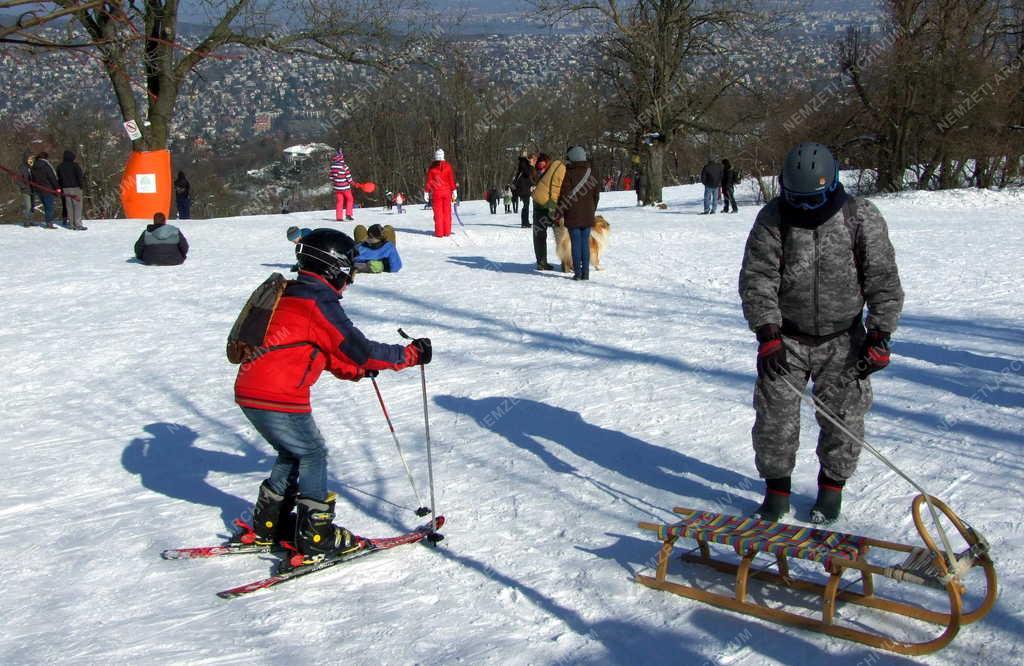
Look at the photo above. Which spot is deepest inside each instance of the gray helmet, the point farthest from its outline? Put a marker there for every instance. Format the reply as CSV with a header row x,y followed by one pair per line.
x,y
577,154
809,174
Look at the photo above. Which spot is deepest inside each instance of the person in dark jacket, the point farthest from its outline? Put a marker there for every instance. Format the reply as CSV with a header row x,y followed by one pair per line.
x,y
71,180
813,260
25,186
577,203
711,177
46,187
492,197
311,333
729,182
161,244
639,180
183,196
522,186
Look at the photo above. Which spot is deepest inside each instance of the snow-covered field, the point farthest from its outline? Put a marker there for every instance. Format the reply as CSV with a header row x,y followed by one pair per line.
x,y
561,414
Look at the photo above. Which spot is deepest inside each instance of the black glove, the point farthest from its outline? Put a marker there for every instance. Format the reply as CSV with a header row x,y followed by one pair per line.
x,y
423,349
372,374
874,353
771,353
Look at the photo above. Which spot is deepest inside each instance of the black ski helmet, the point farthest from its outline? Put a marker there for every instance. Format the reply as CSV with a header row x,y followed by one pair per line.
x,y
329,253
809,174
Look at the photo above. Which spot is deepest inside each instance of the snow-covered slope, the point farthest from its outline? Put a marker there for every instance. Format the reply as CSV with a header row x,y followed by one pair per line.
x,y
561,414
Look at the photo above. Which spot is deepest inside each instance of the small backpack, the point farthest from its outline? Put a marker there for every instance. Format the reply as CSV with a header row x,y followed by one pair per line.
x,y
245,342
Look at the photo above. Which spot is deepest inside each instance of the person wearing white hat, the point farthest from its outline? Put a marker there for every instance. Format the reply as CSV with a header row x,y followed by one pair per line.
x,y
440,185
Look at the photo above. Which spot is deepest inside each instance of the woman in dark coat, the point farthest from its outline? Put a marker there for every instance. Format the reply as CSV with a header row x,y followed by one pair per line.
x,y
577,203
728,187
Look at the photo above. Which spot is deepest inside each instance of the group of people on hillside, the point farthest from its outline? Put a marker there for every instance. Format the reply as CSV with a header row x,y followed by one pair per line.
x,y
40,183
565,194
719,180
825,340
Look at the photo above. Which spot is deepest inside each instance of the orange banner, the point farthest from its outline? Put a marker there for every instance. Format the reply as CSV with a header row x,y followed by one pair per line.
x,y
146,186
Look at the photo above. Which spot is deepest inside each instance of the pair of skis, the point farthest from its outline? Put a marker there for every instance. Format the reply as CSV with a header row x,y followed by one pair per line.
x,y
285,571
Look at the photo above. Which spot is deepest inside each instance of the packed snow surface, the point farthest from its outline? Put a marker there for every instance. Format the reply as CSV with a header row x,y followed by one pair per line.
x,y
561,414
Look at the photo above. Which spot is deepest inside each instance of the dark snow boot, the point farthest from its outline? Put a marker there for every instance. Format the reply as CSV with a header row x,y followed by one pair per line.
x,y
828,505
776,500
774,506
316,535
272,518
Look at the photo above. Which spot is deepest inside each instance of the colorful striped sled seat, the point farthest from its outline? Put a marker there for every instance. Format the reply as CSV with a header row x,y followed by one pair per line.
x,y
928,566
750,534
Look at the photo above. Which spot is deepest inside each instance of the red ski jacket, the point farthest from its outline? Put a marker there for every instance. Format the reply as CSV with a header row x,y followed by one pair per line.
x,y
310,333
440,178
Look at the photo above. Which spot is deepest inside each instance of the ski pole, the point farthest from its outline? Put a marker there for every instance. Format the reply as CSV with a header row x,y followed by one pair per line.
x,y
433,537
422,510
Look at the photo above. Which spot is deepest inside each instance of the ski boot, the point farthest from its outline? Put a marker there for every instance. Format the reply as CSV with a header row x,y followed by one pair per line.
x,y
316,535
828,505
774,506
272,518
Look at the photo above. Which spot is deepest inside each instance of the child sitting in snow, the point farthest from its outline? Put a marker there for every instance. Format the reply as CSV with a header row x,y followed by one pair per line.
x,y
295,235
377,254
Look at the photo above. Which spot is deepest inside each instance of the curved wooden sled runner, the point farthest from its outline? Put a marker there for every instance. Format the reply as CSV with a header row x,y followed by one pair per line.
x,y
837,553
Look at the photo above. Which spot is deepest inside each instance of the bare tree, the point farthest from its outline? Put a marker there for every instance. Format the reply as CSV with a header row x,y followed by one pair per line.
x,y
668,61
139,47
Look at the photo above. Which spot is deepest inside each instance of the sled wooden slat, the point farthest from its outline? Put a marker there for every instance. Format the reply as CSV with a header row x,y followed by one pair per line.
x,y
837,553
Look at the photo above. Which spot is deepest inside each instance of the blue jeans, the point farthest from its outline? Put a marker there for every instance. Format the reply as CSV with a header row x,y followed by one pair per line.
x,y
710,199
48,202
580,239
301,452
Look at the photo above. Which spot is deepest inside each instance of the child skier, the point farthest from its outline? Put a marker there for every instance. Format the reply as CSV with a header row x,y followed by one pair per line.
x,y
309,333
813,259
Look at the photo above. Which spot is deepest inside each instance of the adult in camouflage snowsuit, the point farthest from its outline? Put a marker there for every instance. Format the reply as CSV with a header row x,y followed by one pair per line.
x,y
814,258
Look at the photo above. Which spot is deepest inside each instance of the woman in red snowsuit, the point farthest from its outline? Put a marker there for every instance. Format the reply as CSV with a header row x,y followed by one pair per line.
x,y
440,185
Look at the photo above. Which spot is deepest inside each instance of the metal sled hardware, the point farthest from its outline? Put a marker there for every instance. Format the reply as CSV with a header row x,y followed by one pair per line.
x,y
838,553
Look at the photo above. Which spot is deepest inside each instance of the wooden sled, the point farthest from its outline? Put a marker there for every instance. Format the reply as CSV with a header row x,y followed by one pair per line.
x,y
837,553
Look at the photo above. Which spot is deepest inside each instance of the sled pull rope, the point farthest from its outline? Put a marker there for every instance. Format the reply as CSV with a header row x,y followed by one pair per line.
x,y
820,407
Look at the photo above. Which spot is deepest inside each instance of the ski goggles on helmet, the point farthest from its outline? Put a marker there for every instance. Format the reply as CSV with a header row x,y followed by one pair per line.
x,y
810,200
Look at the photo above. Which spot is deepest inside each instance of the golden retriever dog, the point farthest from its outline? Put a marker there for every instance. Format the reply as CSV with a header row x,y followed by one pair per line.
x,y
598,242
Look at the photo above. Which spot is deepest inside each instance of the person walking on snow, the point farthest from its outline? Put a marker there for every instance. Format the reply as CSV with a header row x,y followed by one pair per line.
x,y
341,180
441,186
814,258
523,182
545,206
311,333
730,179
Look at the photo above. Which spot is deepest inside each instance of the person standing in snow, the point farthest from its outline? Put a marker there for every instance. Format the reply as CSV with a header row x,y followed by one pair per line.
x,y
71,180
711,177
639,180
46,187
492,197
25,186
161,244
399,202
312,333
814,258
545,204
441,187
183,196
577,203
522,183
506,198
729,181
341,181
